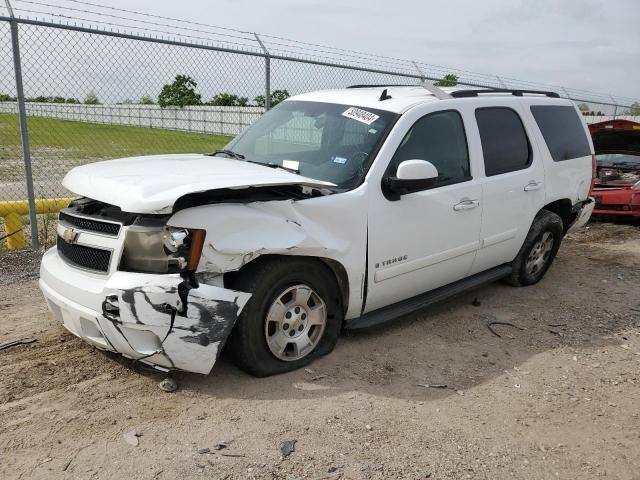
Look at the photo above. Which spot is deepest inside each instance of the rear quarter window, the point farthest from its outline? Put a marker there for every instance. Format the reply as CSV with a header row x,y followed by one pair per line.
x,y
562,130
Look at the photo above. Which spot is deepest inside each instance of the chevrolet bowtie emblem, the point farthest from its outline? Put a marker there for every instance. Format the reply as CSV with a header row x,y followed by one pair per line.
x,y
69,235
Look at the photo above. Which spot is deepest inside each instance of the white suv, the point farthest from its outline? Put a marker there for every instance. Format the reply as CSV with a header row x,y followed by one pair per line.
x,y
336,209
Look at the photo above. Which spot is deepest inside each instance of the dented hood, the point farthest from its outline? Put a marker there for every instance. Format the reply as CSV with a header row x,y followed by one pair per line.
x,y
152,184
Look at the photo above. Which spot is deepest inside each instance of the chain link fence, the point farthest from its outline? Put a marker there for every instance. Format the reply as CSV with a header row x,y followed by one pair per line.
x,y
92,91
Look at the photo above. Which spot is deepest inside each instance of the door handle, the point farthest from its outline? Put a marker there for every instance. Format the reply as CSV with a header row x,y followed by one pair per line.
x,y
466,204
532,185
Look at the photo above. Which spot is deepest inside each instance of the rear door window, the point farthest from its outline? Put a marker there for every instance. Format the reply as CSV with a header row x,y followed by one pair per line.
x,y
505,145
562,130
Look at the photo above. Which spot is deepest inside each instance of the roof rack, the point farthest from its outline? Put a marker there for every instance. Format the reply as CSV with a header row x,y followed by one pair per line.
x,y
516,93
442,95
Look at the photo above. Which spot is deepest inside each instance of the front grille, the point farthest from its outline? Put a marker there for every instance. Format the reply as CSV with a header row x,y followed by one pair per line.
x,y
86,257
91,225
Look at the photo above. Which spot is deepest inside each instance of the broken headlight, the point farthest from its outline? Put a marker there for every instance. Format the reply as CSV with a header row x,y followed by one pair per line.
x,y
150,248
175,238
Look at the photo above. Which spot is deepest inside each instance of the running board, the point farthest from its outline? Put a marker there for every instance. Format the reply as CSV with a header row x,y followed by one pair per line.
x,y
391,312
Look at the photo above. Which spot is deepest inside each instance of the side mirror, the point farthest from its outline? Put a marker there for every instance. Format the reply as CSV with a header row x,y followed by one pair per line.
x,y
412,176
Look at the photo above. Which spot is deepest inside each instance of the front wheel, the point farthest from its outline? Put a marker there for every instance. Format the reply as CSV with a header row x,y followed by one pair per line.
x,y
293,316
539,249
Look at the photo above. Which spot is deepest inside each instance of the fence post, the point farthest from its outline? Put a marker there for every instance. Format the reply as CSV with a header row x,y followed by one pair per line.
x,y
415,64
615,107
24,131
267,74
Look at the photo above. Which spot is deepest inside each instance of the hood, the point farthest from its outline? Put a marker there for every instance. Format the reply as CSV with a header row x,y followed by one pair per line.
x,y
152,184
616,136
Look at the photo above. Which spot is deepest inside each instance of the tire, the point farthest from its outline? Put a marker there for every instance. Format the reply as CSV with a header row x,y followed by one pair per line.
x,y
255,340
538,251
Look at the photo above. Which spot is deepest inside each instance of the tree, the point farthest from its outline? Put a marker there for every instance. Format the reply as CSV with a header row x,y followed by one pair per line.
x,y
634,109
6,98
277,96
449,80
583,107
91,99
72,100
146,100
180,93
228,100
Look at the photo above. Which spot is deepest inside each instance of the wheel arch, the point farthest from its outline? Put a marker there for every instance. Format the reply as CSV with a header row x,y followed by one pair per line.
x,y
563,208
337,270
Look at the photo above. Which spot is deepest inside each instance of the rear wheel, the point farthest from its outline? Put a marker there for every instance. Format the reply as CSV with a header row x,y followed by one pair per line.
x,y
539,249
293,316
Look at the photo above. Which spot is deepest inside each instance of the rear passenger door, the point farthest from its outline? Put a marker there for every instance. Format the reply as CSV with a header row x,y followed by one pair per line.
x,y
513,189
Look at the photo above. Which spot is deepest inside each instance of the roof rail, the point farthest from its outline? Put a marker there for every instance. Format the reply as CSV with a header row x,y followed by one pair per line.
x,y
517,93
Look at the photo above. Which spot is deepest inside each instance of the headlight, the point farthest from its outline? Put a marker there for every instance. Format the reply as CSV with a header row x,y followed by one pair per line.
x,y
152,248
174,239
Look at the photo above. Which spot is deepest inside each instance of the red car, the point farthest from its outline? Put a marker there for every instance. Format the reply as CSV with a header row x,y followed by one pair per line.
x,y
616,188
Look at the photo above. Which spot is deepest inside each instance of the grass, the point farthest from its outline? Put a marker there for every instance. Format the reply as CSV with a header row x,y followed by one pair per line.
x,y
60,144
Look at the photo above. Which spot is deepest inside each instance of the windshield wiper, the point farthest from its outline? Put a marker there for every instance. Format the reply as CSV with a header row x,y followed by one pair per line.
x,y
229,153
275,165
239,156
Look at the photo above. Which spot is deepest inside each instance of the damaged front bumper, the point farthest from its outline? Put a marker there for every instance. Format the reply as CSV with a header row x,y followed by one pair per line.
x,y
156,319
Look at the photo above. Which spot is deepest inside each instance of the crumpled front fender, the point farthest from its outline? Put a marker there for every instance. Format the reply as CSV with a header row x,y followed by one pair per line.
x,y
238,233
165,321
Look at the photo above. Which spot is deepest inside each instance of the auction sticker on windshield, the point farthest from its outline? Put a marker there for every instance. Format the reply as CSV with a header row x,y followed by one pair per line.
x,y
360,115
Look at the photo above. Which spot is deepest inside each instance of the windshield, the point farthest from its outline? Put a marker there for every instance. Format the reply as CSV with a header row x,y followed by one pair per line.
x,y
323,141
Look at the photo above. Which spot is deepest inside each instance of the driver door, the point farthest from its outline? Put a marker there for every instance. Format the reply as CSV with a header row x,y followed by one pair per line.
x,y
429,238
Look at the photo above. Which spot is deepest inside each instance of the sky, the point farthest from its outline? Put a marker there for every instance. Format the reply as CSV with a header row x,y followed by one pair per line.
x,y
586,44
581,44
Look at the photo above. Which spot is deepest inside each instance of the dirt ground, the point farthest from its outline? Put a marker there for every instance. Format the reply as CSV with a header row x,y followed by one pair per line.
x,y
555,396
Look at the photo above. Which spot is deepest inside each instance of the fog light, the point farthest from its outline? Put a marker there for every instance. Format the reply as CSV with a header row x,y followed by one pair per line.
x,y
111,308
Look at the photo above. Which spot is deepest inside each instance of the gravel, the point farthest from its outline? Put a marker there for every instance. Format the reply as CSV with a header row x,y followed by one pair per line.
x,y
19,266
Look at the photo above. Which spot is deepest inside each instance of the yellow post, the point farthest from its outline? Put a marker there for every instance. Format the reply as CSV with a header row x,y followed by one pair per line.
x,y
11,210
12,223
